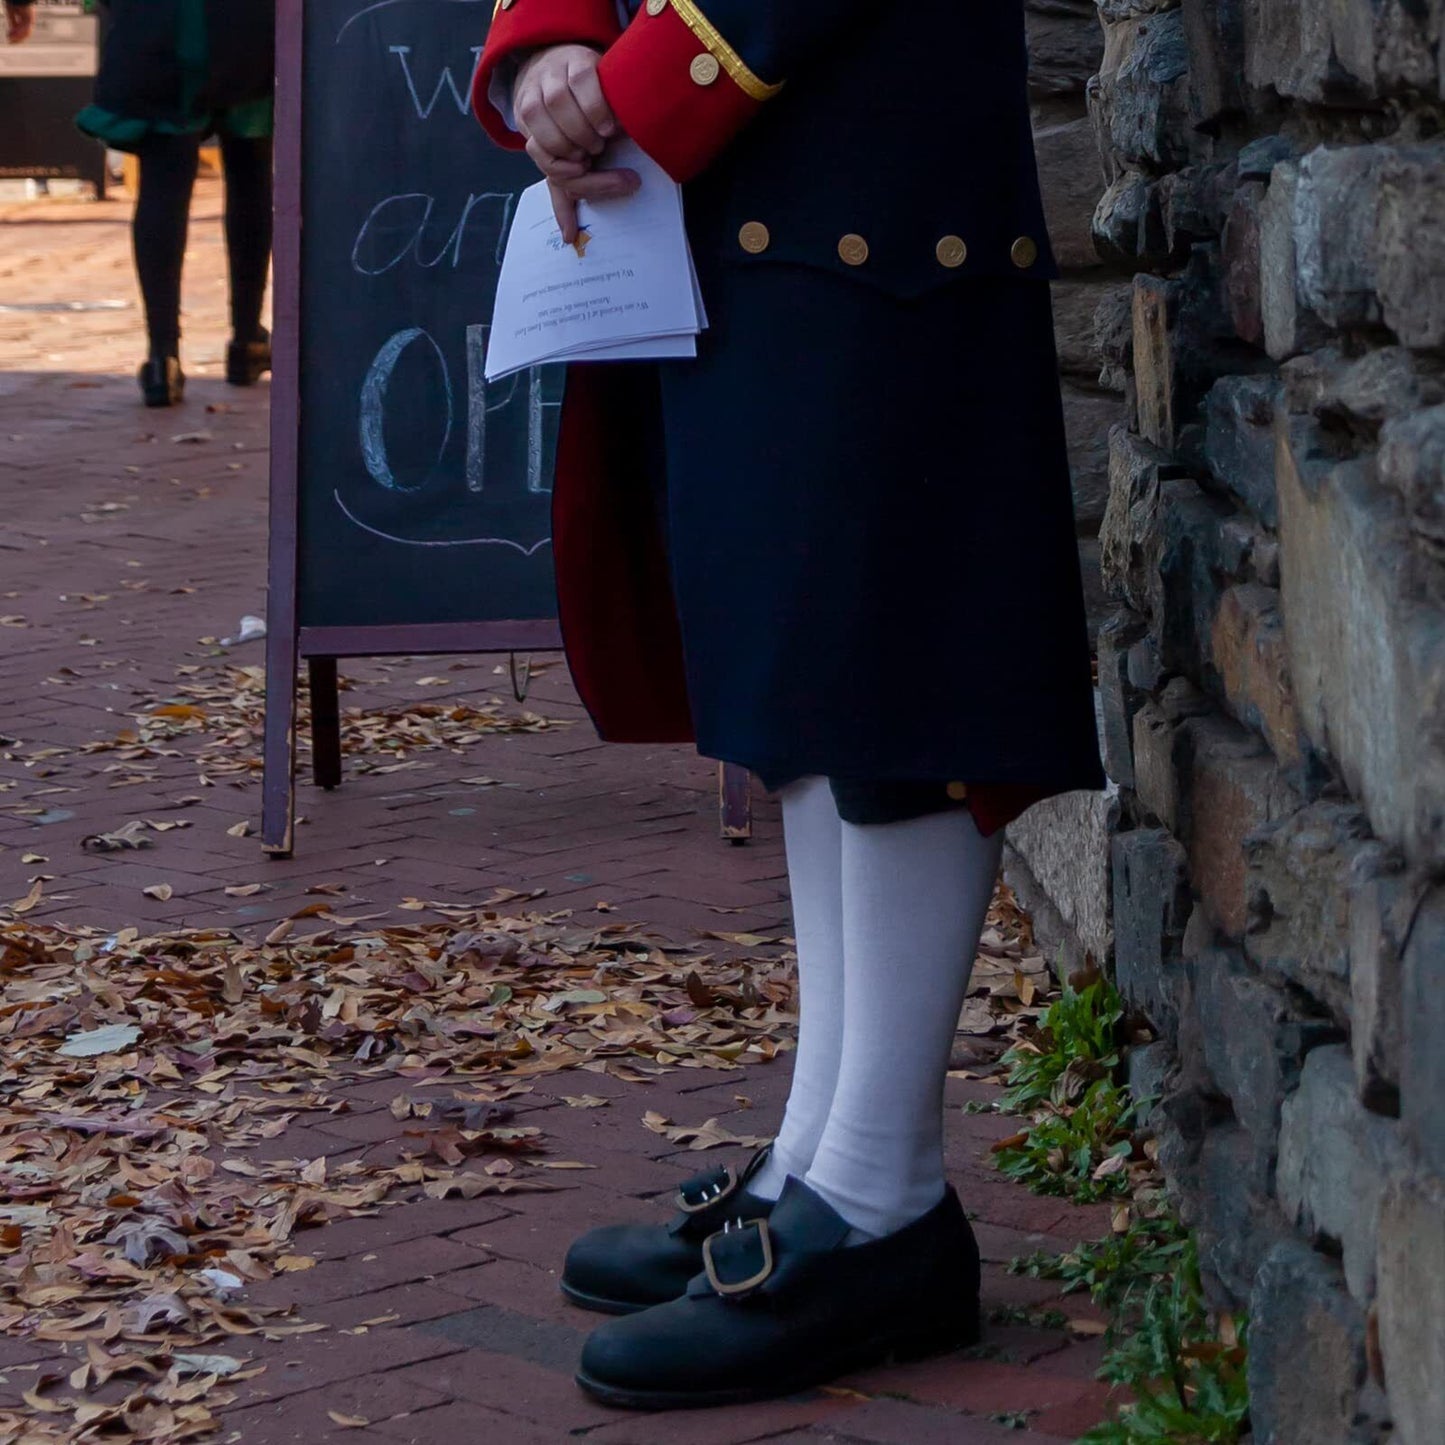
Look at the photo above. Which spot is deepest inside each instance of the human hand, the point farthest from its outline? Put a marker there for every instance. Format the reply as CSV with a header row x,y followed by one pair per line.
x,y
559,106
595,186
19,21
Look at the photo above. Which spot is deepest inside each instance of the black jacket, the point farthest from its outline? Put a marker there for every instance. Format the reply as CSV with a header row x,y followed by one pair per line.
x,y
144,76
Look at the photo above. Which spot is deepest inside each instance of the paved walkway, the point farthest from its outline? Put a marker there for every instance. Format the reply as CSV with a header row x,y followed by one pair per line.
x,y
133,544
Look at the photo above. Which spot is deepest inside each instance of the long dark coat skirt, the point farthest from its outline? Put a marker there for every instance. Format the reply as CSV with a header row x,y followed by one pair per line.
x,y
868,513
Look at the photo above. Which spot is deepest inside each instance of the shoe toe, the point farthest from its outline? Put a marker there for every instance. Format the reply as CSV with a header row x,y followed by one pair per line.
x,y
642,1353
627,1265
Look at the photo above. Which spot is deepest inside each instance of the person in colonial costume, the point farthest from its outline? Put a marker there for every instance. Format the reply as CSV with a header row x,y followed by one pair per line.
x,y
837,549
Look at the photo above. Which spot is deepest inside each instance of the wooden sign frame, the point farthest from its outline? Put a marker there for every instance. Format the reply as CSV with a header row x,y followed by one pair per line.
x,y
286,642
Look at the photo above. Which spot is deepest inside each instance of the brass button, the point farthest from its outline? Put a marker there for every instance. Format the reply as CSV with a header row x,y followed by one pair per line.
x,y
853,249
958,792
755,238
1024,252
952,251
704,69
656,7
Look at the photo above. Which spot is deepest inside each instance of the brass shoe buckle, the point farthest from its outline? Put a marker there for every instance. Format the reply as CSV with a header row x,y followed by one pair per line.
x,y
736,1288
710,1194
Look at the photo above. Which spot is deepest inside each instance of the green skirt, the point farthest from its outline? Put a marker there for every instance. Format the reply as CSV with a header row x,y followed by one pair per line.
x,y
251,119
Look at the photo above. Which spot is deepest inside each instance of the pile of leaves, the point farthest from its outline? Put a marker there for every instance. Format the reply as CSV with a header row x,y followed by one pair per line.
x,y
143,1071
213,721
221,711
151,1078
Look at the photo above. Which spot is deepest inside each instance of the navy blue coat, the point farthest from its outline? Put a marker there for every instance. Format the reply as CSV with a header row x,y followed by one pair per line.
x,y
867,515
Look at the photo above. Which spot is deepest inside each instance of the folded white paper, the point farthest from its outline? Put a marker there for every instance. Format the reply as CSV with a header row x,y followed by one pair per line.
x,y
627,289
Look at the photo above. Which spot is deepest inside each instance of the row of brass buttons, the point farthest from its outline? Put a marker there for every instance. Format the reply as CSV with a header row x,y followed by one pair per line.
x,y
952,251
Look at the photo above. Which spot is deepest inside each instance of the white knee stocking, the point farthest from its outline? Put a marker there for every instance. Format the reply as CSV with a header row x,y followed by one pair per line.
x,y
915,896
813,835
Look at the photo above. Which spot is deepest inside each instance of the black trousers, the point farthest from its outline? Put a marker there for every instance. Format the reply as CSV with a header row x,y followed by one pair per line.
x,y
168,165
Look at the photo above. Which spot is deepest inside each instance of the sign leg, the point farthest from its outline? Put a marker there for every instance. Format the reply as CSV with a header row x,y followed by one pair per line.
x,y
735,802
278,785
325,722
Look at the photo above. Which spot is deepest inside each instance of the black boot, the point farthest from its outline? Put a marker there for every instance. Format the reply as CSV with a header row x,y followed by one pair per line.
x,y
783,1305
162,383
622,1268
248,361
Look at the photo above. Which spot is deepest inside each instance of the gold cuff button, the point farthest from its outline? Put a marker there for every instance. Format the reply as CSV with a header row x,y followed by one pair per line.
x,y
853,250
1024,252
952,251
656,7
755,238
704,69
958,792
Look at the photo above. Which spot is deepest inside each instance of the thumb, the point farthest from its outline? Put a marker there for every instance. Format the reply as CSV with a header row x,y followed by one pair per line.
x,y
602,185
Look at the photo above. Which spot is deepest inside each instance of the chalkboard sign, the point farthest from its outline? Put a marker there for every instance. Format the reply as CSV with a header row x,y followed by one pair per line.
x,y
424,494
410,502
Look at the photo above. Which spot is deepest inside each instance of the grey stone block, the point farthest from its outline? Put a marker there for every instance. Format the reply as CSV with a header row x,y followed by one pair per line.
x,y
1358,394
1127,227
1239,417
1235,1222
1289,326
1422,1002
1159,750
1151,908
1302,875
1383,907
1150,1069
1214,33
1232,789
1410,245
1119,699
1248,653
1144,79
1412,1306
1255,1041
1239,243
1306,1351
1367,655
1336,212
1412,461
1065,842
1334,1162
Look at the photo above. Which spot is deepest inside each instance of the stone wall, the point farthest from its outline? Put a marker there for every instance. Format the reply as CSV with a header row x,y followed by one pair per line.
x,y
1265,875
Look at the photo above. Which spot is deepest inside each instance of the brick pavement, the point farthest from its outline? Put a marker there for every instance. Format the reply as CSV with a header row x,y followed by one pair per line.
x,y
125,553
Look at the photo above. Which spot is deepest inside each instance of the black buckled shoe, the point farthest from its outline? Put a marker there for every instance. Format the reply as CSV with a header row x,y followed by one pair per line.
x,y
783,1305
248,361
622,1268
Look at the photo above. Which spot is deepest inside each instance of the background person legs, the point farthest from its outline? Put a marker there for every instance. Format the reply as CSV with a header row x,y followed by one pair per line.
x,y
246,163
162,216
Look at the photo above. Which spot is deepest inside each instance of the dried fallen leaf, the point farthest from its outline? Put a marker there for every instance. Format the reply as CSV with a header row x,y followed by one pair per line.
x,y
110,1039
707,1135
159,891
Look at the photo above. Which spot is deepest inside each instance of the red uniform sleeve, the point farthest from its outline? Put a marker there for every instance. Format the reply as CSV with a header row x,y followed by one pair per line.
x,y
520,26
679,88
